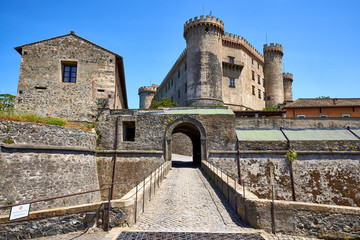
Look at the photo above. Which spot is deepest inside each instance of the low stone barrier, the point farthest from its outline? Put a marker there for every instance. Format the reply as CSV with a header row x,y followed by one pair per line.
x,y
123,211
294,218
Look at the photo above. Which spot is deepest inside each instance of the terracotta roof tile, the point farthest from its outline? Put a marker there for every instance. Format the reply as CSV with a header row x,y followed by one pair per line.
x,y
321,102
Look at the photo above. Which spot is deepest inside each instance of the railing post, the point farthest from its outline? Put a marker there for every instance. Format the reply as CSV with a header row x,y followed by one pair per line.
x,y
136,200
108,210
144,194
150,187
272,210
243,182
235,205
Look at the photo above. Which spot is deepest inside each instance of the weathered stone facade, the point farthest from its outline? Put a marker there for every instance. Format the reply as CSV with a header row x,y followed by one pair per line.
x,y
47,88
218,68
46,161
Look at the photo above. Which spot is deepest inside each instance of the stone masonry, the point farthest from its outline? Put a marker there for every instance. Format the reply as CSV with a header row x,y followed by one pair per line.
x,y
97,79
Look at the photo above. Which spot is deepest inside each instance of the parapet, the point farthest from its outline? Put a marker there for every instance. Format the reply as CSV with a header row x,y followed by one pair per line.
x,y
273,48
288,76
242,41
148,89
208,20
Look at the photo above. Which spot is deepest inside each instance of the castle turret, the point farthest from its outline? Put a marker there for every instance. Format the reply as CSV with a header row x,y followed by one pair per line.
x,y
204,47
146,95
274,84
288,80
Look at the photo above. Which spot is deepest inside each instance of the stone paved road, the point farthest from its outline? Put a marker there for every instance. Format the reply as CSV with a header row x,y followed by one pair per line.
x,y
187,202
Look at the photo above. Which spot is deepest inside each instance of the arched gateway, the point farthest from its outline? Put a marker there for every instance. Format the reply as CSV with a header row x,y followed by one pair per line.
x,y
194,130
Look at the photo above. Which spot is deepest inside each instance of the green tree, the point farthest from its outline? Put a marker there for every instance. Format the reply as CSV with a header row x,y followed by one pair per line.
x,y
165,102
7,103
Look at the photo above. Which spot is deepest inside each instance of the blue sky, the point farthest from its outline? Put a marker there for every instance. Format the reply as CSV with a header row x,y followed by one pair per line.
x,y
321,39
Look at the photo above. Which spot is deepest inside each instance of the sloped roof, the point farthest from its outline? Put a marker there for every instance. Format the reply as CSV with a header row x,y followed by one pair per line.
x,y
19,48
322,102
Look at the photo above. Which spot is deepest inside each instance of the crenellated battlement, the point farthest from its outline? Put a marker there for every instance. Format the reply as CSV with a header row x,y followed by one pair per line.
x,y
203,20
288,76
151,89
242,41
273,48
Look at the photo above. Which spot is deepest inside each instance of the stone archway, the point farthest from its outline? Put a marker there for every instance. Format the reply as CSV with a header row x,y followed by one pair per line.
x,y
194,130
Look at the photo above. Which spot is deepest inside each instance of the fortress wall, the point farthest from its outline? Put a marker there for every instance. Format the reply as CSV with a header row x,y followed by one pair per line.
x,y
320,177
46,161
43,134
130,166
182,145
296,123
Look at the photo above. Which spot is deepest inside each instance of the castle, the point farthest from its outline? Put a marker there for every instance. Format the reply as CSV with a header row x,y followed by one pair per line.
x,y
218,68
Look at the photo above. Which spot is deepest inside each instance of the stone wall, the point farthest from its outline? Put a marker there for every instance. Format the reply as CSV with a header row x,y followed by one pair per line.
x,y
182,144
41,88
46,161
43,134
293,218
325,177
130,166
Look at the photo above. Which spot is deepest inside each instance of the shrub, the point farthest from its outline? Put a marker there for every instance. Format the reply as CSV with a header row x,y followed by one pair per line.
x,y
291,155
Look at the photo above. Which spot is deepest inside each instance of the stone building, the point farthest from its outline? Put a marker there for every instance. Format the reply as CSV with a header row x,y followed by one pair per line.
x,y
69,77
218,68
323,108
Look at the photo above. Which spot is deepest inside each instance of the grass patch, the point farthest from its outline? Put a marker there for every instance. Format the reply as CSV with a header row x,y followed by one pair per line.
x,y
38,119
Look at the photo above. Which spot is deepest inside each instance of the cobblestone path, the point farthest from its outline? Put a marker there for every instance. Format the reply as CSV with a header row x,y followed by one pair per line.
x,y
187,202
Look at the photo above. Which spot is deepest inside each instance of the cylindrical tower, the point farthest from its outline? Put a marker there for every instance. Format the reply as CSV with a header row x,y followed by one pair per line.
x,y
274,84
204,46
288,80
146,95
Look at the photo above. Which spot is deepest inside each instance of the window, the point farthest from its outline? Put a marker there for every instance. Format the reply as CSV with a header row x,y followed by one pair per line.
x,y
231,59
179,94
185,87
69,72
172,82
301,116
179,73
323,116
253,90
259,81
264,95
264,82
252,61
345,115
185,66
231,82
258,65
253,75
259,93
129,131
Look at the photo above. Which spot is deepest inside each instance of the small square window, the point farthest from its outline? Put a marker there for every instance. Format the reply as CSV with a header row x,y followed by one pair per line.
x,y
323,116
129,131
253,90
231,82
345,115
69,71
301,116
231,59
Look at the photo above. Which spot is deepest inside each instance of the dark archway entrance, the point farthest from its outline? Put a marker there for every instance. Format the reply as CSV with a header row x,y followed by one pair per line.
x,y
194,130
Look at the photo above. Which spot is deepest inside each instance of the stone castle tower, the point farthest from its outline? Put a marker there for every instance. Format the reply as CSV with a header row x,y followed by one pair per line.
x,y
222,68
146,96
204,51
274,86
288,79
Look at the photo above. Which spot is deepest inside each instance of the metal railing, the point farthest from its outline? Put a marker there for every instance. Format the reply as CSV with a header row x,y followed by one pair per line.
x,y
154,176
220,172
